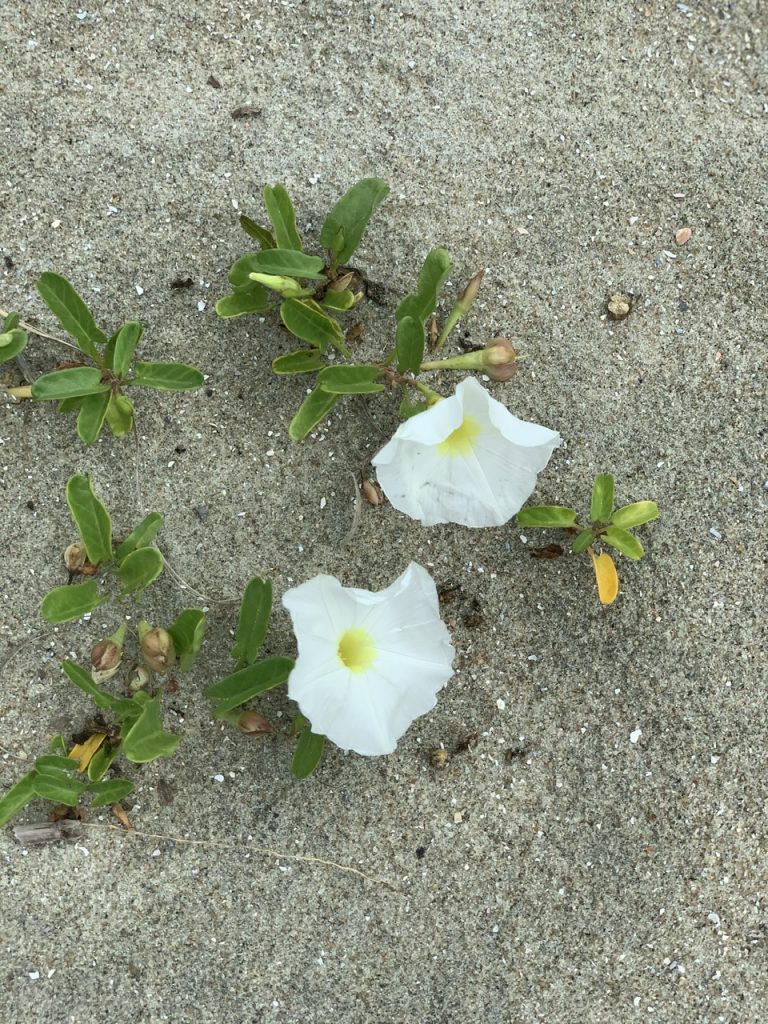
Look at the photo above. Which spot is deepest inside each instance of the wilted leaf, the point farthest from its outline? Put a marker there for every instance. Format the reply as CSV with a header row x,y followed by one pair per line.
x,y
85,752
606,576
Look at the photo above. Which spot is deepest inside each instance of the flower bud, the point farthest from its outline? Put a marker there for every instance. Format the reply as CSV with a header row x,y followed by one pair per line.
x,y
157,648
470,293
107,656
76,560
500,359
251,723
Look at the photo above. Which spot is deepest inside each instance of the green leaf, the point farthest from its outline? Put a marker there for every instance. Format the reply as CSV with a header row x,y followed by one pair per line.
x,y
119,414
62,604
350,380
141,537
287,263
71,312
109,792
240,271
187,634
55,764
410,345
623,542
90,420
100,698
17,797
167,376
602,498
70,404
72,383
58,746
11,322
138,569
262,236
345,224
548,516
636,514
91,518
101,761
60,789
283,218
422,303
302,361
312,411
249,300
11,343
145,740
249,682
583,541
309,751
306,320
255,610
338,300
126,340
409,408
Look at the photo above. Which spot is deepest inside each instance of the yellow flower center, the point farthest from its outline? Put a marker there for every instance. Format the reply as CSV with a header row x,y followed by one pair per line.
x,y
462,440
356,649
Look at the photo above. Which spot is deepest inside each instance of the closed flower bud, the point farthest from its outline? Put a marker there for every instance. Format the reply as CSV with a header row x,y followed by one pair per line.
x,y
157,648
107,656
76,560
251,723
138,678
500,359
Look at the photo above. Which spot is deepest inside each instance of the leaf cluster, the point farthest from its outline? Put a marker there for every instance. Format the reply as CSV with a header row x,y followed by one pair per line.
x,y
13,339
96,392
252,677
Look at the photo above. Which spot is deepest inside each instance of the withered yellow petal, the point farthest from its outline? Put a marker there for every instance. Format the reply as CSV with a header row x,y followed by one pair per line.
x,y
86,751
606,576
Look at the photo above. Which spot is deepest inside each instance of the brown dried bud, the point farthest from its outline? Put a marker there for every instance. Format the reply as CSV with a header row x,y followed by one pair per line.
x,y
500,359
251,723
439,757
157,648
107,656
76,560
138,678
619,306
372,493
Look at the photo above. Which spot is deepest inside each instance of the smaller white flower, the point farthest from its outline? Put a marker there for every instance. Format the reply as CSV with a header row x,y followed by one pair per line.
x,y
368,664
464,460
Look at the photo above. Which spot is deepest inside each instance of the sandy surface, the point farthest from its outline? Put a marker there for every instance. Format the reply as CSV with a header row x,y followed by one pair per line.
x,y
555,871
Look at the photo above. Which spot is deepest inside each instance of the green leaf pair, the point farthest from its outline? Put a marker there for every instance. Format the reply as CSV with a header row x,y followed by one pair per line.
x,y
96,392
13,339
137,562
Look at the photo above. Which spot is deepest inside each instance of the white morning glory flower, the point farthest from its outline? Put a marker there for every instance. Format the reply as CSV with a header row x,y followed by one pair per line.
x,y
368,664
464,460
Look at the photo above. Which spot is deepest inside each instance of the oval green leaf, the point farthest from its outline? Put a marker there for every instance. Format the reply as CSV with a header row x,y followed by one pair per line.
x,y
309,751
145,740
55,764
623,542
17,798
340,301
167,376
255,610
312,411
350,380
262,236
125,345
91,518
345,224
119,414
141,537
187,634
11,343
71,312
140,568
72,383
547,516
249,682
286,263
421,304
101,761
62,604
283,217
410,345
602,498
59,789
110,791
302,361
636,514
583,541
307,321
90,419
249,300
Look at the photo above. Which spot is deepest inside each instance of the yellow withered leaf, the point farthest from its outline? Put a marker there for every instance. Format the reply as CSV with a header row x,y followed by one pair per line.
x,y
606,576
86,751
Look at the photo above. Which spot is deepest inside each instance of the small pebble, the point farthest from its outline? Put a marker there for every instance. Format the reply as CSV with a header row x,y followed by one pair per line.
x,y
683,235
635,736
715,533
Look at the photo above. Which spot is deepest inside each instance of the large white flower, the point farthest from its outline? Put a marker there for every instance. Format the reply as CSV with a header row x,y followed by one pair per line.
x,y
464,460
368,664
